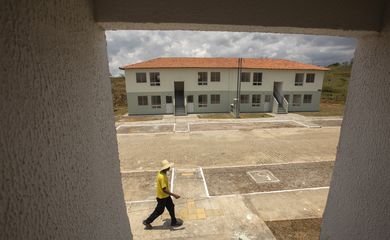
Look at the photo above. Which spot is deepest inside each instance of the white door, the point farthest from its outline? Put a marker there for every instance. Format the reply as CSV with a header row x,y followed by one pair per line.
x,y
190,104
168,104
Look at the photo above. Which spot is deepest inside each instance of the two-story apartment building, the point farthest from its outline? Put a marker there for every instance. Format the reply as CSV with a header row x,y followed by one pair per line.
x,y
200,85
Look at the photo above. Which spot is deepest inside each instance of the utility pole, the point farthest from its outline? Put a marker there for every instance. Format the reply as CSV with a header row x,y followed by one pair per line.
x,y
238,97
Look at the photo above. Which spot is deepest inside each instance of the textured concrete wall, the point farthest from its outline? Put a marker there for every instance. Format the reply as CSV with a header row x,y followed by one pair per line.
x,y
358,204
331,14
59,167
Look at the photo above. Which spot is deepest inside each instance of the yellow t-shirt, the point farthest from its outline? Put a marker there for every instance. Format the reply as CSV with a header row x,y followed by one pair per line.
x,y
161,182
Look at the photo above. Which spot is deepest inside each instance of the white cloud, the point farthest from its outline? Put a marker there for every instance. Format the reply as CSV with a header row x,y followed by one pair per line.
x,y
126,47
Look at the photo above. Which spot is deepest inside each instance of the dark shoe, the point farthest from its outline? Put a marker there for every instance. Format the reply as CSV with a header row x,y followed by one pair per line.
x,y
147,225
177,224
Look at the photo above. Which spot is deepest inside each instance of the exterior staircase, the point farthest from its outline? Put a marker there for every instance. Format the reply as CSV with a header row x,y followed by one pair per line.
x,y
281,110
180,111
180,106
280,106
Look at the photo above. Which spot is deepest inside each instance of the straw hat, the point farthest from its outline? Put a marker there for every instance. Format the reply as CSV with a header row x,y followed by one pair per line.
x,y
165,164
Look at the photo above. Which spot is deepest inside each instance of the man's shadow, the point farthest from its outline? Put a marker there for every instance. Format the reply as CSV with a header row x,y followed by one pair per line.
x,y
167,225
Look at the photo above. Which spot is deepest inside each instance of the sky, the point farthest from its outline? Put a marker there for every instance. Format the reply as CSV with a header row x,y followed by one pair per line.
x,y
127,47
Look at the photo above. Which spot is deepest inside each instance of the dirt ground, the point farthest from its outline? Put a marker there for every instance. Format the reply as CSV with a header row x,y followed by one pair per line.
x,y
226,148
204,163
298,229
145,129
230,116
326,109
139,118
139,186
327,123
290,176
242,126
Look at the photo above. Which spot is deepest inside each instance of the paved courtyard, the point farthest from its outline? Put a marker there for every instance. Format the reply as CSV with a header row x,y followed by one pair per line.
x,y
236,180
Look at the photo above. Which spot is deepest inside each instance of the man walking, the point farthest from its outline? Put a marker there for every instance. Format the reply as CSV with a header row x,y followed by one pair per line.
x,y
163,198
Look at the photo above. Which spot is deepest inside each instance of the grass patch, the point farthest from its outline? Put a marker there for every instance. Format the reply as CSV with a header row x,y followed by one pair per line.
x,y
326,109
298,229
118,90
336,82
255,115
119,112
230,116
216,115
140,118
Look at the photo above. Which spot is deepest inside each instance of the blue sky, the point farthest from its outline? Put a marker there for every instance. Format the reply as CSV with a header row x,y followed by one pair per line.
x,y
125,47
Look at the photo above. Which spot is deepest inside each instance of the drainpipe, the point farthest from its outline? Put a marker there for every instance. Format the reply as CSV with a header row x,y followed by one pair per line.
x,y
239,70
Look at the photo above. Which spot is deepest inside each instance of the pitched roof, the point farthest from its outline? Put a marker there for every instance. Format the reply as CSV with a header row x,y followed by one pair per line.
x,y
248,63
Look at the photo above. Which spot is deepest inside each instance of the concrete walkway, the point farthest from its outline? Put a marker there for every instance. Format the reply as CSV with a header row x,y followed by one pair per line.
x,y
211,206
225,217
193,118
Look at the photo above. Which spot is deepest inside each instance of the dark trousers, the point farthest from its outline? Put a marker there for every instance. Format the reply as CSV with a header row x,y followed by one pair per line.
x,y
161,204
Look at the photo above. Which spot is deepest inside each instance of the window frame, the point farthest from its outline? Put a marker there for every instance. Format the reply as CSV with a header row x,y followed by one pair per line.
x,y
256,103
256,81
241,98
137,74
154,78
166,100
245,74
213,101
192,99
299,83
305,100
202,82
202,105
215,77
155,106
300,100
141,99
311,80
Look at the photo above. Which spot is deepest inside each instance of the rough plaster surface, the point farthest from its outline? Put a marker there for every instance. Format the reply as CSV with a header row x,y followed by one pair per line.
x,y
358,205
59,167
331,14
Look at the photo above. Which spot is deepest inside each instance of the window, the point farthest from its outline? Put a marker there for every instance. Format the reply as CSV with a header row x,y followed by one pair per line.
x,y
267,98
202,100
215,99
245,77
297,100
202,78
299,79
168,99
156,101
257,78
244,99
310,77
154,79
142,100
215,77
140,77
190,99
307,98
256,100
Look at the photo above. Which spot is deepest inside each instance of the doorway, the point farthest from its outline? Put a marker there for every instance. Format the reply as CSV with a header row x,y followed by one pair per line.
x,y
278,92
179,98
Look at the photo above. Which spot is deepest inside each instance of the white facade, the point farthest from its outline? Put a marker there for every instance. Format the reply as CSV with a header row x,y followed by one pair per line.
x,y
228,81
226,88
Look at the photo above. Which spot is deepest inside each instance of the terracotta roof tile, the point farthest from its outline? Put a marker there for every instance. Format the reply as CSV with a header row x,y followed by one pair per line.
x,y
248,63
